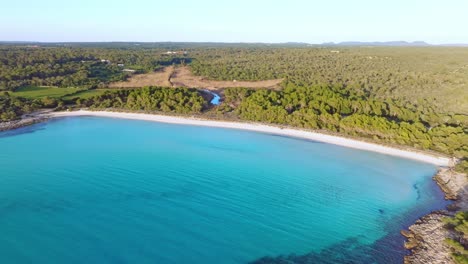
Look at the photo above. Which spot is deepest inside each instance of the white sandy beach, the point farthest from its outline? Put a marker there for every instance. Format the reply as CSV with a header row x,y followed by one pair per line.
x,y
336,140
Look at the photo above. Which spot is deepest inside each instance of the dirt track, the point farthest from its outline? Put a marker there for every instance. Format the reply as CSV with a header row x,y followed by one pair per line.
x,y
158,78
183,77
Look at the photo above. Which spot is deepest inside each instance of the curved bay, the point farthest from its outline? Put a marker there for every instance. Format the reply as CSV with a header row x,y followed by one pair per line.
x,y
110,190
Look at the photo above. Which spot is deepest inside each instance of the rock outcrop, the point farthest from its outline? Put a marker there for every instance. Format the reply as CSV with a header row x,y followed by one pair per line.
x,y
426,237
20,123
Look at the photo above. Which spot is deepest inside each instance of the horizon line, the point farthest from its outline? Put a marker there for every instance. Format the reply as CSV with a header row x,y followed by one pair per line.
x,y
344,43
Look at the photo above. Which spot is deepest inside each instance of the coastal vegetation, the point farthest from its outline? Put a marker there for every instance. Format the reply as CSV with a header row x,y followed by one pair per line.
x,y
12,108
459,245
177,100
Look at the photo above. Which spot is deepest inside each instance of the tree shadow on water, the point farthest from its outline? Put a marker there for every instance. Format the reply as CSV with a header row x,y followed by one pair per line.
x,y
387,250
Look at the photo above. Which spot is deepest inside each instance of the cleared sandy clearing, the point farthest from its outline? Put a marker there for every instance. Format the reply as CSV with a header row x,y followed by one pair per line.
x,y
158,78
183,77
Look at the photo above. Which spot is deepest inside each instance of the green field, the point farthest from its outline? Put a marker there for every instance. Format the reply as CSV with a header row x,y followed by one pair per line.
x,y
33,92
67,94
86,94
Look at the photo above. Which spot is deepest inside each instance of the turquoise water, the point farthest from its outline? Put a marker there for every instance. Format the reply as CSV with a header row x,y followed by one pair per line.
x,y
216,98
97,190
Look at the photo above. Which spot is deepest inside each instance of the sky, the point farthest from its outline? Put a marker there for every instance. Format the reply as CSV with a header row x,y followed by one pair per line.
x,y
272,21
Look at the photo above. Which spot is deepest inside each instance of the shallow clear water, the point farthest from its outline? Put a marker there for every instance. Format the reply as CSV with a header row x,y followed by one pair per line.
x,y
216,98
96,190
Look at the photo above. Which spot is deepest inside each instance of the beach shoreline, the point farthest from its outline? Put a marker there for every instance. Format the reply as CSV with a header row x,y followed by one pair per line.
x,y
27,120
440,161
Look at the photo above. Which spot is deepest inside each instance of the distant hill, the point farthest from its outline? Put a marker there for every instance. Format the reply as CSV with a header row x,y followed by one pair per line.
x,y
455,45
182,45
377,43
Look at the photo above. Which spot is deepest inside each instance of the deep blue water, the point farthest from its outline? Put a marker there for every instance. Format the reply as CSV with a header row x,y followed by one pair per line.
x,y
97,190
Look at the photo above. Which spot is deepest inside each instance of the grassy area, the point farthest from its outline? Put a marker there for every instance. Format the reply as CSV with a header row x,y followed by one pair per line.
x,y
86,94
67,94
33,92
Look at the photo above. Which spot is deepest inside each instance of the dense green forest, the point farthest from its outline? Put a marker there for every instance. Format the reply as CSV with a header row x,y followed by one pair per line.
x,y
12,108
435,77
177,100
72,66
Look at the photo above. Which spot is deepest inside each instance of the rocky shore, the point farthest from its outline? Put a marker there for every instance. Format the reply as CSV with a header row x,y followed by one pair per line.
x,y
26,120
425,238
20,123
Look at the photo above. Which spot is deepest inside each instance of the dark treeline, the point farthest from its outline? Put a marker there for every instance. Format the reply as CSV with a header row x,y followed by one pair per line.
x,y
177,100
12,108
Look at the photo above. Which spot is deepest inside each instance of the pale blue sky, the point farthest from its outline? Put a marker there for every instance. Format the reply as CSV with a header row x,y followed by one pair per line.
x,y
312,21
